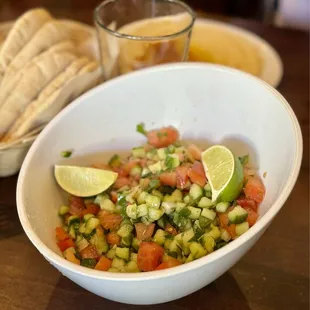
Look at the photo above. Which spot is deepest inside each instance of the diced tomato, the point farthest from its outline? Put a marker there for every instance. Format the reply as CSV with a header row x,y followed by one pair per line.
x,y
77,206
121,181
69,255
104,264
149,256
144,183
255,189
252,216
130,165
91,208
113,238
109,220
195,151
171,262
65,244
181,157
102,166
247,203
171,230
197,174
114,197
61,234
162,137
231,228
144,231
181,176
90,252
168,178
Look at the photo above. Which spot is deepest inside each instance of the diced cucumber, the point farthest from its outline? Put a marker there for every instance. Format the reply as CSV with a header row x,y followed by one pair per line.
x,y
118,263
125,230
153,185
172,161
146,220
73,219
167,243
204,222
169,198
72,230
168,207
145,172
115,161
162,222
225,235
179,239
155,214
82,244
185,224
174,247
107,205
155,168
222,207
91,224
82,228
188,199
133,257
195,191
136,171
136,243
126,241
99,241
111,253
86,217
160,237
242,228
152,201
194,213
132,267
115,270
171,149
123,253
205,202
88,262
162,153
209,214
187,235
180,206
63,210
197,250
101,197
238,215
126,221
179,150
185,212
189,258
208,243
177,195
141,198
215,232
152,154
138,152
208,190
142,210
132,211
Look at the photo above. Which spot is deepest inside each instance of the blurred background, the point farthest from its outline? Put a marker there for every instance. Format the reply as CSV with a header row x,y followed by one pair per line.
x,y
283,13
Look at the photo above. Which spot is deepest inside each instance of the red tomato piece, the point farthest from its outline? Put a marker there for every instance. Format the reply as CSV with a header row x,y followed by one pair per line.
x,y
252,216
168,178
61,234
144,231
109,220
121,182
171,262
171,230
195,151
90,252
197,174
162,137
65,244
77,206
181,176
255,189
149,256
113,238
130,165
104,264
114,197
91,208
247,203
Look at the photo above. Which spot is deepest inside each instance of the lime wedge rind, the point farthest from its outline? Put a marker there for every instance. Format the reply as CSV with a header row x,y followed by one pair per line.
x,y
84,181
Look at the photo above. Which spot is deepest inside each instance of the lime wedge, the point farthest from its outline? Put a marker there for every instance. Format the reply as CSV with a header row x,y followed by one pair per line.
x,y
224,172
83,181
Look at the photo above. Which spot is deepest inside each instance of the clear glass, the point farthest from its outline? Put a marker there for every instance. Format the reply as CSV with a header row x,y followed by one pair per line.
x,y
134,34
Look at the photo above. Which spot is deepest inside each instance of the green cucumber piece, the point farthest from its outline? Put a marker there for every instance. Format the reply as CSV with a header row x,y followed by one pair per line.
x,y
132,267
91,224
225,235
238,215
138,152
82,244
204,222
132,211
107,205
168,207
152,201
99,241
162,153
177,195
209,214
208,243
187,236
160,237
208,190
172,161
88,262
125,230
142,210
100,198
63,210
118,263
123,253
145,172
222,207
195,191
73,219
155,168
86,217
242,228
194,213
111,253
141,198
136,243
126,241
197,250
155,214
205,202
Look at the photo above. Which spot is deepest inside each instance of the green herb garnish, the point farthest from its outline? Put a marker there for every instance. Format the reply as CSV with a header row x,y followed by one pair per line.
x,y
140,128
66,154
244,159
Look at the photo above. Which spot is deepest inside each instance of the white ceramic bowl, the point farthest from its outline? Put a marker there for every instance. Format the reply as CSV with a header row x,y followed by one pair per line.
x,y
204,102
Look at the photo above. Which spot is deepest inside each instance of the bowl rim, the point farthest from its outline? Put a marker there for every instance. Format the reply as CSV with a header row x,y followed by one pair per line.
x,y
59,261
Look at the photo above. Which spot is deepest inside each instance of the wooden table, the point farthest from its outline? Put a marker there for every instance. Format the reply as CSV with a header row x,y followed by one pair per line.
x,y
273,275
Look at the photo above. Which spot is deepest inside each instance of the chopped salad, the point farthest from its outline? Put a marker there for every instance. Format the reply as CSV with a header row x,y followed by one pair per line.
x,y
159,212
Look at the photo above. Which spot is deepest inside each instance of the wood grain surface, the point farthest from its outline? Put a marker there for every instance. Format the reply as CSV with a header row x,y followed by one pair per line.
x,y
274,274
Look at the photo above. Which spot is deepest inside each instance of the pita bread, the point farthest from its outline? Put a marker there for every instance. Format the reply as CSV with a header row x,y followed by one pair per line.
x,y
29,86
24,28
37,112
8,86
48,35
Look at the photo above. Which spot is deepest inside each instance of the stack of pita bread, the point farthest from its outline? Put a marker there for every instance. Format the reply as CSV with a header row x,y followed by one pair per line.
x,y
44,64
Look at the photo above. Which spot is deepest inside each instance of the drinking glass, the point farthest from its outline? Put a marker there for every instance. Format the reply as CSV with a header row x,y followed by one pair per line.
x,y
135,34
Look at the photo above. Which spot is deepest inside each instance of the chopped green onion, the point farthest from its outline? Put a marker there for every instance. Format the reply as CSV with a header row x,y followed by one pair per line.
x,y
140,128
244,159
66,154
